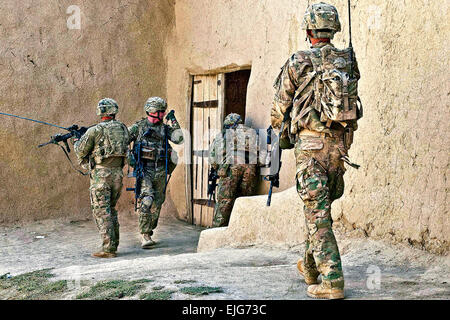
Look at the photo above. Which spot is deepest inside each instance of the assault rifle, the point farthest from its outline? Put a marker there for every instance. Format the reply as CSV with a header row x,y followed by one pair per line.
x,y
74,131
212,184
138,172
274,177
165,137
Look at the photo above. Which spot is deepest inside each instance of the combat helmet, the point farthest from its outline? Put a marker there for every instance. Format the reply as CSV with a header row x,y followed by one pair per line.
x,y
322,19
155,104
107,106
232,120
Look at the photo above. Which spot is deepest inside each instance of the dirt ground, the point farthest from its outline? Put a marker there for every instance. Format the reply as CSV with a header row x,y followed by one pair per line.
x,y
373,269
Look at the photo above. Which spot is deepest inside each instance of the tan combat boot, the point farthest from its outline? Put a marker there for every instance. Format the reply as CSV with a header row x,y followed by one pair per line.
x,y
103,254
146,241
320,292
308,279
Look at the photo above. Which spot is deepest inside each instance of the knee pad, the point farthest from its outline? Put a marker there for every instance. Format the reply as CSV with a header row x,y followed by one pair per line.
x,y
146,204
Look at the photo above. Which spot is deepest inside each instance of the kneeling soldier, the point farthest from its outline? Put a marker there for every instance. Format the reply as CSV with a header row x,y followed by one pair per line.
x,y
236,162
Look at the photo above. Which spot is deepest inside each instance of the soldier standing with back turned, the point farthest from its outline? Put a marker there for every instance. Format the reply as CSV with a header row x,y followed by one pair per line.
x,y
233,154
316,96
103,149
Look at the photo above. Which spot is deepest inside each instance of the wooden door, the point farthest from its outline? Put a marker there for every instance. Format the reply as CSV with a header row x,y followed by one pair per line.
x,y
207,116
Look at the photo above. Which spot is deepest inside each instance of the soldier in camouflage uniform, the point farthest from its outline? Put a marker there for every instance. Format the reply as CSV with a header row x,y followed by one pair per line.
x,y
235,158
103,149
321,138
151,132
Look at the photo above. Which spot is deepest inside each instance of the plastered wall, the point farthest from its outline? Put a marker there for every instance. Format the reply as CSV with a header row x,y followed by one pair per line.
x,y
56,74
400,192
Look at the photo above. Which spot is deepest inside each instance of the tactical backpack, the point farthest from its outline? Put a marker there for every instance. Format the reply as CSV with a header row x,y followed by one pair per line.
x,y
335,84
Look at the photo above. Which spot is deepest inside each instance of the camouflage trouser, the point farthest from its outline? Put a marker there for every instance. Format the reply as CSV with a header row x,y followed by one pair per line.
x,y
105,190
151,199
238,180
320,181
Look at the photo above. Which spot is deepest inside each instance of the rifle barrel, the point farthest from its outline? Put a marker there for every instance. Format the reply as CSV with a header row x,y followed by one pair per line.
x,y
45,143
38,121
350,24
269,197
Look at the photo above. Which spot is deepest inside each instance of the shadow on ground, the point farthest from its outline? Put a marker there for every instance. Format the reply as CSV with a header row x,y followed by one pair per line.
x,y
56,243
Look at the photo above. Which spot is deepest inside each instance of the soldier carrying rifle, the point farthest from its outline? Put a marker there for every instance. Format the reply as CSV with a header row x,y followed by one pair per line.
x,y
316,100
103,150
152,136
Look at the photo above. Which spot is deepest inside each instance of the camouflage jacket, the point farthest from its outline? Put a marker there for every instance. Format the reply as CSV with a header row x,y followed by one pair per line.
x,y
155,139
235,146
105,143
290,88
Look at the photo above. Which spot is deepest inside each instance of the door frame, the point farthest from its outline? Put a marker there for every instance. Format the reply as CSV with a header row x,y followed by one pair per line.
x,y
188,153
189,127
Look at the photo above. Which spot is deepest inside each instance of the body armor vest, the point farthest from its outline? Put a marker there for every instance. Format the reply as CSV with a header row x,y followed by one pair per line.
x,y
113,141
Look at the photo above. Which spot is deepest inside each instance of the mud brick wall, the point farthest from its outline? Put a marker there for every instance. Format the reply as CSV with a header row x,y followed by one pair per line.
x,y
56,74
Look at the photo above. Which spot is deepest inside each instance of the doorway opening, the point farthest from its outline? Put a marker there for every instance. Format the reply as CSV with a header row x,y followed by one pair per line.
x,y
236,92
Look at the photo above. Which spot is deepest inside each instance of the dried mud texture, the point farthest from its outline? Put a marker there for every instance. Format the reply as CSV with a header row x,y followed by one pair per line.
x,y
173,270
401,190
253,223
51,73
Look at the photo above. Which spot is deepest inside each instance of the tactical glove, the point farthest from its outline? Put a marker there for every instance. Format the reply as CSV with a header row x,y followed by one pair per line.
x,y
171,116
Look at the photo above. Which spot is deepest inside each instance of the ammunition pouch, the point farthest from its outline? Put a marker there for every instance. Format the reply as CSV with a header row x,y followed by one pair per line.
x,y
286,139
285,143
149,153
157,158
348,137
